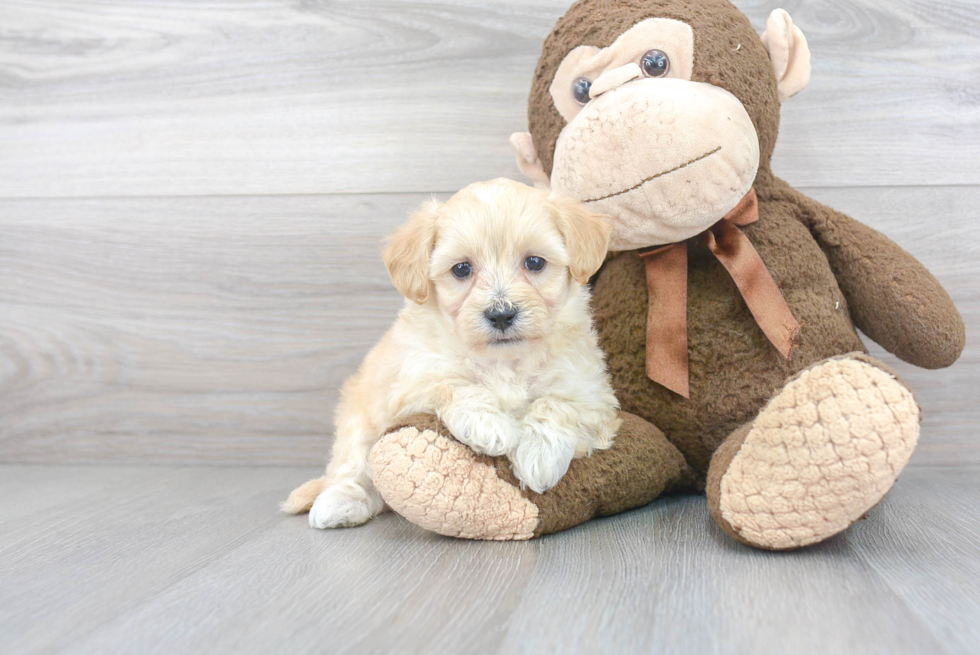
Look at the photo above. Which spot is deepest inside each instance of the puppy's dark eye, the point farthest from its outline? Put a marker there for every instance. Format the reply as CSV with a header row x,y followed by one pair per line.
x,y
655,63
533,263
580,89
462,270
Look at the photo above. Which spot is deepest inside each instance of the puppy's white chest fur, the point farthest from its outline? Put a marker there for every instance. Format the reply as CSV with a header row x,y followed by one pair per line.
x,y
507,381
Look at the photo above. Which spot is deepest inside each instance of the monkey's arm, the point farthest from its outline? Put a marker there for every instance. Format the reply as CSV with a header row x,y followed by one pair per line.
x,y
892,297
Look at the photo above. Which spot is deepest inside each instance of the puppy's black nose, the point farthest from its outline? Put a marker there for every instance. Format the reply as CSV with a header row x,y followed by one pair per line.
x,y
501,317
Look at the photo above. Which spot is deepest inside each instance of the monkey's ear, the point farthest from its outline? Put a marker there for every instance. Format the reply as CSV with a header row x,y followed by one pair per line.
x,y
527,159
408,252
788,52
586,237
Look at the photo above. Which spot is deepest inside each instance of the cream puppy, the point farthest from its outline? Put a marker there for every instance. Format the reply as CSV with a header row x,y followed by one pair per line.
x,y
495,338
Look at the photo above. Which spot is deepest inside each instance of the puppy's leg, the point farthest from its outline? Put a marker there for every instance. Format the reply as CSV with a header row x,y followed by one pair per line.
x,y
348,497
547,443
598,422
475,418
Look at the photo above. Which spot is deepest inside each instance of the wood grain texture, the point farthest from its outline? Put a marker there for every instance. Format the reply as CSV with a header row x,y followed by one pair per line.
x,y
218,330
195,560
188,329
924,541
279,97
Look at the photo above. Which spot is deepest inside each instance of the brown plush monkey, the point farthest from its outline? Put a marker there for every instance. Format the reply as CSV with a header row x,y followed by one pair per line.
x,y
727,307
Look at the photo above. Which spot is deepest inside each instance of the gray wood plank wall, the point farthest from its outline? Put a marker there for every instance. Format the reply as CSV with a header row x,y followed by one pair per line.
x,y
192,197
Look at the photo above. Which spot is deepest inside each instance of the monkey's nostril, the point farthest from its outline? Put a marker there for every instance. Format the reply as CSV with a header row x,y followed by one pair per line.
x,y
501,317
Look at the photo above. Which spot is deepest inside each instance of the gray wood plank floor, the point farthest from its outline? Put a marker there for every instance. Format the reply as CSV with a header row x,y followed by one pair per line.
x,y
197,560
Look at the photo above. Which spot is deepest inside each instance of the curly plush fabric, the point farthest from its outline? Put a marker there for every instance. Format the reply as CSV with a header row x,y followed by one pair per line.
x,y
432,480
818,457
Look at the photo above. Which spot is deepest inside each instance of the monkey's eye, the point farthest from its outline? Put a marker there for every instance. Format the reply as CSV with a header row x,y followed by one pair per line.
x,y
655,63
535,264
462,270
580,89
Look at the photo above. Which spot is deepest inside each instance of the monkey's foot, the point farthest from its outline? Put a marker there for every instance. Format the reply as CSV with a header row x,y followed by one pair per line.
x,y
821,454
441,485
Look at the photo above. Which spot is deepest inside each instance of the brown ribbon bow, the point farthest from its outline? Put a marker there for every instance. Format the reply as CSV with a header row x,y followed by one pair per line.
x,y
666,272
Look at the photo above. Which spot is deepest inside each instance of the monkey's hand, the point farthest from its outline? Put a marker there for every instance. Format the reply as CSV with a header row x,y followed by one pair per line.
x,y
892,297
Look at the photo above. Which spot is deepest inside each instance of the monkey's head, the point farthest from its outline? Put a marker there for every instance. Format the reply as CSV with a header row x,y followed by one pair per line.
x,y
659,113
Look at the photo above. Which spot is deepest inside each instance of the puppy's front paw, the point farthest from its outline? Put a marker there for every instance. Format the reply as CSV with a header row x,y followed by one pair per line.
x,y
542,456
335,508
487,433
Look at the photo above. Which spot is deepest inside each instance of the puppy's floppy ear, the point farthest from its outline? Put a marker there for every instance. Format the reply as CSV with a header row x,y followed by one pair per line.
x,y
586,237
408,252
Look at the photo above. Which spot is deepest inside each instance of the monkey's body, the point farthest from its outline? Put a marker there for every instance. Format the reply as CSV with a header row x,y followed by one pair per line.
x,y
789,450
734,370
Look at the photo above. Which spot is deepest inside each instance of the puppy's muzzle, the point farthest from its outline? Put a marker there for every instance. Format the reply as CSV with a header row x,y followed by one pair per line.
x,y
502,317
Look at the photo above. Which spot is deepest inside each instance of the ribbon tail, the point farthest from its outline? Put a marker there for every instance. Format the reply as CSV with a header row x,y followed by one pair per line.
x,y
737,254
666,343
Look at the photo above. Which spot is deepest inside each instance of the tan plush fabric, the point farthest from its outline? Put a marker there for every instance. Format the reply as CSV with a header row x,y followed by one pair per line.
x,y
688,176
440,485
821,454
789,53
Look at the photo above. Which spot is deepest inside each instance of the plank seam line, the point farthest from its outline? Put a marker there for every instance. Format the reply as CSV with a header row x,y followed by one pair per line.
x,y
407,193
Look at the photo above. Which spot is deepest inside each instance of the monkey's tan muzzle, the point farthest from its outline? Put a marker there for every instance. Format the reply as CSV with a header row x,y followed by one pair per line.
x,y
693,153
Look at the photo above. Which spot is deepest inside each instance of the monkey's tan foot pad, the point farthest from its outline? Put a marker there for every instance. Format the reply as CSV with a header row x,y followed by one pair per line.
x,y
441,485
821,454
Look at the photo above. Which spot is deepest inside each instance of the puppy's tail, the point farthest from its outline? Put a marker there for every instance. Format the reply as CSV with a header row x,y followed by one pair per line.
x,y
302,497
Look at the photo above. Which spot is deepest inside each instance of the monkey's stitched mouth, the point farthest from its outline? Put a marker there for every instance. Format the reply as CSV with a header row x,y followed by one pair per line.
x,y
653,177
